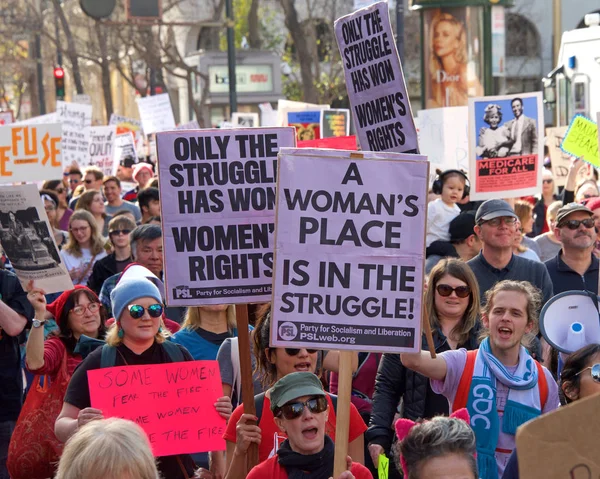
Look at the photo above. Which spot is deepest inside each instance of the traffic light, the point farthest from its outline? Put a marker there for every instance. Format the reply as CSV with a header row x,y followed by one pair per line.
x,y
59,83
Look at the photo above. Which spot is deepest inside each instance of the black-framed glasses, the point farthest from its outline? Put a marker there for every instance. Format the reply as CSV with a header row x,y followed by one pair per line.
x,y
294,410
594,372
447,290
119,232
80,309
295,352
136,311
495,222
574,224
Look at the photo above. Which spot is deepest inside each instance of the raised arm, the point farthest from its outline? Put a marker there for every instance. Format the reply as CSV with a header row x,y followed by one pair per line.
x,y
423,363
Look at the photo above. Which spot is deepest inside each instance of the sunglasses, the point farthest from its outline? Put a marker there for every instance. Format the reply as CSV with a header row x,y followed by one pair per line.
x,y
294,410
508,220
594,372
295,352
446,290
154,310
574,224
119,232
80,310
548,181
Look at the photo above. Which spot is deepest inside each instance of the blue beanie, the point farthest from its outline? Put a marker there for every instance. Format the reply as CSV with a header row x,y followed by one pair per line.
x,y
128,291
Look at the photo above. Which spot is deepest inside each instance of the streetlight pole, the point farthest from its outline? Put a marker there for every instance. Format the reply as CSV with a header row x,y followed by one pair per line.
x,y
400,29
231,56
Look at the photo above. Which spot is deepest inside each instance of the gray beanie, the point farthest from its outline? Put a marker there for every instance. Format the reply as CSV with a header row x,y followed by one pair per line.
x,y
128,291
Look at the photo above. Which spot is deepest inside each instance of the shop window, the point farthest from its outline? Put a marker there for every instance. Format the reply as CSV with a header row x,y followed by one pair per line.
x,y
522,37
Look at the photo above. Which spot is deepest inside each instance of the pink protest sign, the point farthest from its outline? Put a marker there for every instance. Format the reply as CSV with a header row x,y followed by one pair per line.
x,y
218,207
375,81
350,250
173,403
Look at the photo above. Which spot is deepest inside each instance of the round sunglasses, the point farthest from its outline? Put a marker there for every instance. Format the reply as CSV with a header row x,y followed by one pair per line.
x,y
446,290
594,372
295,352
294,410
136,311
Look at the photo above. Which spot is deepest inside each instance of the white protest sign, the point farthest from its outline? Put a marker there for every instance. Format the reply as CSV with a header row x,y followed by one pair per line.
x,y
28,239
375,81
124,147
41,120
101,146
83,98
561,161
7,118
191,125
217,192
125,124
444,138
350,250
75,118
30,153
245,120
156,113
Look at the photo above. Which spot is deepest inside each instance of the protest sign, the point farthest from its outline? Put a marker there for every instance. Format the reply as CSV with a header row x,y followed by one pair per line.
x,y
75,119
335,123
444,138
173,403
41,120
350,249
100,149
562,443
244,120
375,82
335,143
125,124
284,107
83,98
561,161
7,118
156,113
307,124
505,146
28,239
191,125
30,153
581,140
124,147
217,192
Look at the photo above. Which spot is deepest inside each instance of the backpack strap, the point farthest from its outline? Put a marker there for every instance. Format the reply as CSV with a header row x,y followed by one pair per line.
x,y
542,385
174,352
464,386
259,404
109,356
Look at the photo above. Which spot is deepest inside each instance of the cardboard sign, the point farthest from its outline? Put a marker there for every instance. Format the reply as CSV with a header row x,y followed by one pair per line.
x,y
561,161
173,403
506,149
444,138
284,107
217,192
124,147
562,443
101,146
335,123
76,118
245,120
156,113
339,143
581,140
375,81
307,124
7,117
30,153
350,251
28,239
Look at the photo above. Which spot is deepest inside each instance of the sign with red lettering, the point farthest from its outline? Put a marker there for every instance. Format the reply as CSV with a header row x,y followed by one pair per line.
x,y
173,403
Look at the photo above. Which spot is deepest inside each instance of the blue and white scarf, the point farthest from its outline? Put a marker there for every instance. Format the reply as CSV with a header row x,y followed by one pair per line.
x,y
523,402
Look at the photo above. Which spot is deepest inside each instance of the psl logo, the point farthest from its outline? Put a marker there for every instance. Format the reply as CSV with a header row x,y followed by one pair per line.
x,y
182,292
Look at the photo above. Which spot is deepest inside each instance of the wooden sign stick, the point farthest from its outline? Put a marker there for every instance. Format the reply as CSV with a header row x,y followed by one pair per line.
x,y
342,414
241,313
427,328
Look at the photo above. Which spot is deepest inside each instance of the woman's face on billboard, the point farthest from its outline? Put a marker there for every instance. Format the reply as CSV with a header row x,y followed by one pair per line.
x,y
445,39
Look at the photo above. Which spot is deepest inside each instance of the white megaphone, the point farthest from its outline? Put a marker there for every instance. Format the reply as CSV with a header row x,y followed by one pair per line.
x,y
570,321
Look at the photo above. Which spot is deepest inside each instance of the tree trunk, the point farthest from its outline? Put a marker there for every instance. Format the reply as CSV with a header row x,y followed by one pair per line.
x,y
71,50
253,25
105,70
302,49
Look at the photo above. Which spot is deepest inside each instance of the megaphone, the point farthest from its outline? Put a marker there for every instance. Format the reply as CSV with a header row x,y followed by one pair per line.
x,y
570,321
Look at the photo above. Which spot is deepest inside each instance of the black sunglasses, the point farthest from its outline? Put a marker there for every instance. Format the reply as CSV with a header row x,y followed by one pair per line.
x,y
119,232
446,290
295,352
136,311
574,224
594,372
294,410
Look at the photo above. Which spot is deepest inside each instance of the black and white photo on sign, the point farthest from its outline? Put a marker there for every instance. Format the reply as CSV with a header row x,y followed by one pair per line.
x,y
246,120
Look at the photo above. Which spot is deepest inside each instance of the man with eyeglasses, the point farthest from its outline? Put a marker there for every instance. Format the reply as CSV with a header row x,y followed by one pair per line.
x,y
496,226
574,267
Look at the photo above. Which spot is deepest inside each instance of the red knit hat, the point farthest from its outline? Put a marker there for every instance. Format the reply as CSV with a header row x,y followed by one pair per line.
x,y
57,306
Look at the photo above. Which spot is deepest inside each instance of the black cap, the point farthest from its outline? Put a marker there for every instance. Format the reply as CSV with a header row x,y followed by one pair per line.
x,y
462,226
491,209
566,210
128,162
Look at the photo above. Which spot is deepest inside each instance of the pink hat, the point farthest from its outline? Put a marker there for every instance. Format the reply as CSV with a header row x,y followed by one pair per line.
x,y
593,203
142,166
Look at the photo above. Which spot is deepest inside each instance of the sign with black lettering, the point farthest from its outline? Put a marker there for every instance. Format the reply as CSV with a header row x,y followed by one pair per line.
x,y
350,249
375,81
218,208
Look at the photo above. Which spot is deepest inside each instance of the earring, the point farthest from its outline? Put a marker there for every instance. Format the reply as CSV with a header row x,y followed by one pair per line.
x,y
160,329
120,333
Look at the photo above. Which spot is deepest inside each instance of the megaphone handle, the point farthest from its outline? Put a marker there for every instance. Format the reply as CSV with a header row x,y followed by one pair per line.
x,y
427,328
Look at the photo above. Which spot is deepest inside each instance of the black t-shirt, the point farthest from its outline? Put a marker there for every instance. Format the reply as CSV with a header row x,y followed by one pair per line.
x,y
214,338
78,393
11,378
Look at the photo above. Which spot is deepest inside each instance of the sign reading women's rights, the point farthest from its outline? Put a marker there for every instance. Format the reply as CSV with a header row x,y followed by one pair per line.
x,y
349,248
505,146
173,403
218,208
75,119
375,82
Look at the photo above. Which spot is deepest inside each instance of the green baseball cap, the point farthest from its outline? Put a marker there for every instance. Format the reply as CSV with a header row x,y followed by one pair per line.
x,y
295,385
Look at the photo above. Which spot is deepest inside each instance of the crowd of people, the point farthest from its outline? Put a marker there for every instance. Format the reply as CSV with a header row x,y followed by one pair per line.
x,y
490,266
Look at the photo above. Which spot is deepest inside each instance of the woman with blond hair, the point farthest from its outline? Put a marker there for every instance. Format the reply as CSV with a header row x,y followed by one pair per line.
x,y
108,449
84,247
93,202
